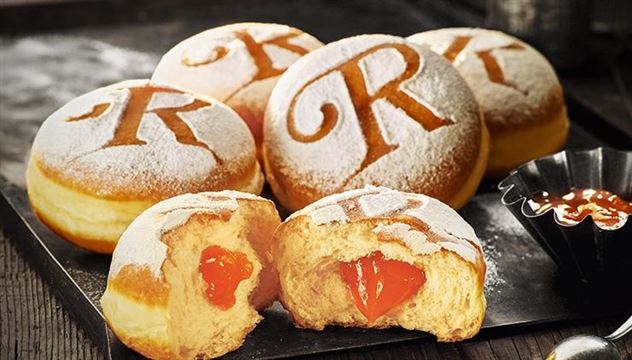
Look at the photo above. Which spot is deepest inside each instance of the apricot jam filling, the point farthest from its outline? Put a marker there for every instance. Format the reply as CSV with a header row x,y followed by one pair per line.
x,y
377,284
223,270
607,209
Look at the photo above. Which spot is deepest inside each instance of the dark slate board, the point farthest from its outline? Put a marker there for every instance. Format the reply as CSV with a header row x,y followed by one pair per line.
x,y
523,286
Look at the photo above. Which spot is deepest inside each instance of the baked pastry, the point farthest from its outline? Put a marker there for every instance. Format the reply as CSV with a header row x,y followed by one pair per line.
x,y
103,158
373,109
519,93
376,257
238,64
189,274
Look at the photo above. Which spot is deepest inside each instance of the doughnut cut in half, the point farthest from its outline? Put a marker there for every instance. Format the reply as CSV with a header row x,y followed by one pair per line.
x,y
377,258
190,273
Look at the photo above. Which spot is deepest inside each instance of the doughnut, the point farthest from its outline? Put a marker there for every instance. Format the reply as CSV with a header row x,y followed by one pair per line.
x,y
238,64
373,109
519,94
190,273
376,258
104,157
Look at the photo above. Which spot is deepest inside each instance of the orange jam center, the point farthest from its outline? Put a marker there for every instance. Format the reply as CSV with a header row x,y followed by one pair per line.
x,y
223,270
378,285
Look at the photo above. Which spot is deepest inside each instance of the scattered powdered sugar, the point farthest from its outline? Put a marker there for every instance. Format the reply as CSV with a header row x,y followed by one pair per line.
x,y
220,77
141,244
530,75
92,282
41,73
420,159
501,221
492,256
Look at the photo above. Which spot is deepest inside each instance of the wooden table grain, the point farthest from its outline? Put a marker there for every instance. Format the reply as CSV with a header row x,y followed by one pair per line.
x,y
34,325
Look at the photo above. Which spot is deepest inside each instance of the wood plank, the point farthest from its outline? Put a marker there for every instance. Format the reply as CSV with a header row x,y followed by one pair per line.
x,y
32,322
527,346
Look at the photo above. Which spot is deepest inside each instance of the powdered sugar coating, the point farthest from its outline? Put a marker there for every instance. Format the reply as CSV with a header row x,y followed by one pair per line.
x,y
328,214
169,100
532,78
382,203
422,160
335,199
442,219
141,244
223,77
416,240
384,66
449,230
78,151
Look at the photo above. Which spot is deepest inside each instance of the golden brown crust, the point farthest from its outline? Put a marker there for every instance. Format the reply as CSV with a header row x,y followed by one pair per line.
x,y
253,117
145,346
161,298
295,196
153,291
248,93
464,179
158,189
95,245
512,148
152,349
292,194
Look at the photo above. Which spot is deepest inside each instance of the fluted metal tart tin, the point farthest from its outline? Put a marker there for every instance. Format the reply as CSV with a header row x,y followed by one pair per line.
x,y
585,252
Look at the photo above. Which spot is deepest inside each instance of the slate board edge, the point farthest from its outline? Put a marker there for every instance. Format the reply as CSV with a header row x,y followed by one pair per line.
x,y
60,283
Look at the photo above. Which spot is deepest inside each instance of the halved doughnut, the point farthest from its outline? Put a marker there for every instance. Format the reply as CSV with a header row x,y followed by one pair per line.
x,y
377,258
190,273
